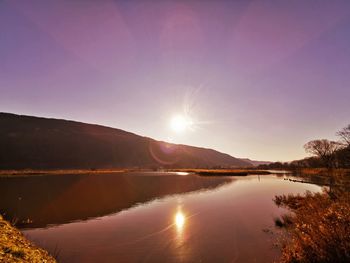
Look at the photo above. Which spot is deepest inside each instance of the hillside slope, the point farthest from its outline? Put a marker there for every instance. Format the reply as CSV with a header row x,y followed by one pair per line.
x,y
41,143
254,162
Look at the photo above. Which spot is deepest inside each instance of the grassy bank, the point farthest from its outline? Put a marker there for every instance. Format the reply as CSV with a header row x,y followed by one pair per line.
x,y
203,172
14,247
24,173
323,171
334,178
224,172
318,229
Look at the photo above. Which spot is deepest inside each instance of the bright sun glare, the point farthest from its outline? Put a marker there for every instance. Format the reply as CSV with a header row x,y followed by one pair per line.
x,y
180,123
179,219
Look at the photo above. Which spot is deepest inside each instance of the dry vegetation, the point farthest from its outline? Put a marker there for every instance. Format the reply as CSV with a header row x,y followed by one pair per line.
x,y
14,247
330,177
204,172
318,230
20,173
324,171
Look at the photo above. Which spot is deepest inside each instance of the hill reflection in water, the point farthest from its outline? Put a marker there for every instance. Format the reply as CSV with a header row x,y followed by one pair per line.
x,y
213,224
47,200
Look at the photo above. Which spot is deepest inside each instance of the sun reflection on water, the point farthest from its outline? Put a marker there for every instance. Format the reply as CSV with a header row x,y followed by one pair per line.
x,y
179,220
180,223
182,173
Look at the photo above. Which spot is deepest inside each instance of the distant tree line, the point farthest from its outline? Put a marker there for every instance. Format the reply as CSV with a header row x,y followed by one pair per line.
x,y
324,153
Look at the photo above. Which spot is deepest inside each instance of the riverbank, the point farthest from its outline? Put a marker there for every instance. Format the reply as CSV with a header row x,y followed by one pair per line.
x,y
318,227
202,172
329,177
323,171
29,172
14,247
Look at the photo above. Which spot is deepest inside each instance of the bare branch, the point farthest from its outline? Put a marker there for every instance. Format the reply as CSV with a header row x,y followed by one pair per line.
x,y
324,149
344,135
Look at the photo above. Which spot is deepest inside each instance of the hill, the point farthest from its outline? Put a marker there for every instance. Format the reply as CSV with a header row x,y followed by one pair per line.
x,y
39,143
254,162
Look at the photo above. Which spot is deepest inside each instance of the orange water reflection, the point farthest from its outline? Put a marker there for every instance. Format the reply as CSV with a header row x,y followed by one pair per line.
x,y
180,225
179,221
221,225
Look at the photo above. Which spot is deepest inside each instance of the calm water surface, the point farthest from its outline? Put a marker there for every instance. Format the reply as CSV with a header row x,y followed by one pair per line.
x,y
150,217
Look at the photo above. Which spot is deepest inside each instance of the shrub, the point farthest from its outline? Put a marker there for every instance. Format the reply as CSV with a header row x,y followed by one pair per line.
x,y
319,228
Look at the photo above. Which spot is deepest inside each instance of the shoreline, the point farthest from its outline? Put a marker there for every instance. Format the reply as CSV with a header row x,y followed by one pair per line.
x,y
201,172
30,172
15,247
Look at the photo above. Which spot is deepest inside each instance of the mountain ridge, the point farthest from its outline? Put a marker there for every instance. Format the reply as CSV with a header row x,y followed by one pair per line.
x,y
28,142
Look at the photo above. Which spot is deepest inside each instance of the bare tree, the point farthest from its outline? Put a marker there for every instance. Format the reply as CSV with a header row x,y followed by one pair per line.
x,y
344,135
324,149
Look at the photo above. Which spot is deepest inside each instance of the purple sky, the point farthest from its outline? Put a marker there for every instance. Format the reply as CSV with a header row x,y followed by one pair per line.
x,y
258,78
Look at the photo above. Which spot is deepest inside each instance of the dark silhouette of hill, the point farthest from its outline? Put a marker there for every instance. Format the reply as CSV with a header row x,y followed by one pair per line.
x,y
41,143
254,162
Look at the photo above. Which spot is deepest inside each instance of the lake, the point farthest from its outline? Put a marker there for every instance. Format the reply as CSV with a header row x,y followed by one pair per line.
x,y
150,216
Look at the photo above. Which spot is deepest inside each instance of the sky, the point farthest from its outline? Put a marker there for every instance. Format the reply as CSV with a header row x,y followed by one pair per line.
x,y
255,79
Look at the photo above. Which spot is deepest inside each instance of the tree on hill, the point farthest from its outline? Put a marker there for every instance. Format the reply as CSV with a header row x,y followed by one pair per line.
x,y
323,149
344,135
343,156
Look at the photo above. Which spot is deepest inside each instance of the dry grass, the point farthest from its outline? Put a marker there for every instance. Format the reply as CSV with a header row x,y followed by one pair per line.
x,y
24,173
336,177
204,172
14,247
319,228
324,171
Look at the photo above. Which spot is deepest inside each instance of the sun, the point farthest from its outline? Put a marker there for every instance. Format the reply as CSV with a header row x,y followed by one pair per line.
x,y
180,123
